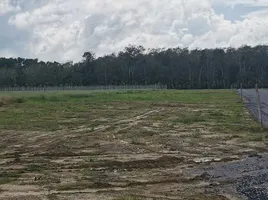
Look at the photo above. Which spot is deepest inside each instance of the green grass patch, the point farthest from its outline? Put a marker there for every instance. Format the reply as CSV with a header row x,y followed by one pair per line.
x,y
189,118
190,96
72,109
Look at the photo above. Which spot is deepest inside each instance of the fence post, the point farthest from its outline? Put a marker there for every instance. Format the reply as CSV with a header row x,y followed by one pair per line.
x,y
259,105
241,91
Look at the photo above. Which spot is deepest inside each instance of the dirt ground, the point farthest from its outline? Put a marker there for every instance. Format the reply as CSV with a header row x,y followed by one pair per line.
x,y
135,149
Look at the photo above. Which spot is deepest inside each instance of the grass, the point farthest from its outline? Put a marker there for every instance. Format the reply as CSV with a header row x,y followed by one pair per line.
x,y
189,119
82,185
190,96
34,168
71,109
128,198
6,180
9,176
50,111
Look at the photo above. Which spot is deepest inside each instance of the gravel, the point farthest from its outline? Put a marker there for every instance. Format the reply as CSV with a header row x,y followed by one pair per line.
x,y
245,179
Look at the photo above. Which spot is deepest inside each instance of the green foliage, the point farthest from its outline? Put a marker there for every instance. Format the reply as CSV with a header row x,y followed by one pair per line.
x,y
177,68
19,100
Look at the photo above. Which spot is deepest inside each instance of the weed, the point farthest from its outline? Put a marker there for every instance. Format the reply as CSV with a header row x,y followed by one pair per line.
x,y
42,97
19,100
17,157
90,159
216,114
6,180
79,96
189,119
255,138
82,185
34,168
52,197
129,198
9,176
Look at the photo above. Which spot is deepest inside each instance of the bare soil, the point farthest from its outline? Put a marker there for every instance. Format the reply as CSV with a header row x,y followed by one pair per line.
x,y
139,152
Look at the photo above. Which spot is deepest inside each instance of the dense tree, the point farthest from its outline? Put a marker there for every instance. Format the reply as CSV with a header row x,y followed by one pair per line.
x,y
175,67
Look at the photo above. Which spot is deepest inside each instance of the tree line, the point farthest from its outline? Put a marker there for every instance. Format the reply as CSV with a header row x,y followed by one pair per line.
x,y
178,68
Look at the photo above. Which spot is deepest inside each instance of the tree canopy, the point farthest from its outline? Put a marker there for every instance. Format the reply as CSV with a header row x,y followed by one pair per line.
x,y
175,67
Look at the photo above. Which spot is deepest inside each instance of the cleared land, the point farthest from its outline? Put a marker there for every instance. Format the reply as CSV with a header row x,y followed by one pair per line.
x,y
123,145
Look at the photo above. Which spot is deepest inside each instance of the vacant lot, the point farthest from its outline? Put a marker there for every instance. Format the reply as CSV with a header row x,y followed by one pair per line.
x,y
122,145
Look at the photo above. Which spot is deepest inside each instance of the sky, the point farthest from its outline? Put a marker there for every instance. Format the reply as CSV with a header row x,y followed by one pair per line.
x,y
62,30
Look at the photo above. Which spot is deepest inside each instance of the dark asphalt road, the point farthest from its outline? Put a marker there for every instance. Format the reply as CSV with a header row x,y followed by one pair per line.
x,y
250,100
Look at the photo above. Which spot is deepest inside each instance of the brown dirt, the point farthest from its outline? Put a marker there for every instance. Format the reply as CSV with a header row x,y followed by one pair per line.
x,y
4,101
143,155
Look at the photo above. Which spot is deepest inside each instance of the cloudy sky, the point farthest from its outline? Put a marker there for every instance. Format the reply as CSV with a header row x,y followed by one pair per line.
x,y
63,29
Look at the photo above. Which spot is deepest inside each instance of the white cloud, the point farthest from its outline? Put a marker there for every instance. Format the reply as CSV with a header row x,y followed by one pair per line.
x,y
63,29
256,14
232,3
7,6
